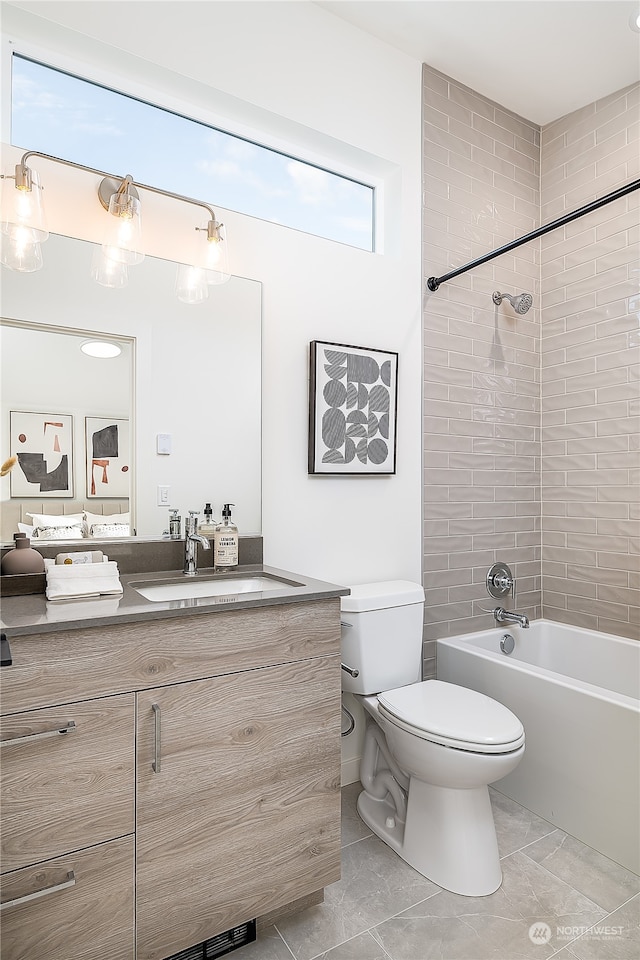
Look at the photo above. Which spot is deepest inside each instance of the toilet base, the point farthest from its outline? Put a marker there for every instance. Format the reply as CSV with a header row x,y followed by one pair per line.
x,y
449,836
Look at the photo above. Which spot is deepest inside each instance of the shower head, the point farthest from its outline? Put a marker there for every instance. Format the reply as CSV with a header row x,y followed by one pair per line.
x,y
520,303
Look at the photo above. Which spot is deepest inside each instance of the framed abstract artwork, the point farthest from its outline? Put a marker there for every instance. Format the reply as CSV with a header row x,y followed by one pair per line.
x,y
107,454
43,444
353,395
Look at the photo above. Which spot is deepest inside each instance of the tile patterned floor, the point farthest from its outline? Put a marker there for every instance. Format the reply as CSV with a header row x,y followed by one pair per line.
x,y
583,906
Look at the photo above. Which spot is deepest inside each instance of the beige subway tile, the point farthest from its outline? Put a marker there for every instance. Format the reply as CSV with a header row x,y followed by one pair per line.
x,y
599,608
573,494
446,442
621,595
565,401
443,509
595,508
602,478
596,574
573,617
449,578
619,392
618,561
570,431
571,524
604,411
622,425
599,445
630,629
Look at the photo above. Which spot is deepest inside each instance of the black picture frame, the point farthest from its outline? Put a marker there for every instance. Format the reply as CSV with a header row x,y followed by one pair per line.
x,y
353,401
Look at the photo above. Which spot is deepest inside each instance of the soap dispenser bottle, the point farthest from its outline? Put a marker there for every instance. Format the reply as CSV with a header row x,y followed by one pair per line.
x,y
225,542
208,526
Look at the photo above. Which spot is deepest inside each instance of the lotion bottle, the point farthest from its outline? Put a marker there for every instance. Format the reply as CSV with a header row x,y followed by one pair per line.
x,y
225,542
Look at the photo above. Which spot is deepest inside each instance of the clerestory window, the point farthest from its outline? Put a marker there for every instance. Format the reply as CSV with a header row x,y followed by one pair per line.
x,y
55,112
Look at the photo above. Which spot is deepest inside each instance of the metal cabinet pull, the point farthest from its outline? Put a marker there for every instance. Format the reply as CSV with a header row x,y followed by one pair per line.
x,y
155,766
69,727
69,882
5,651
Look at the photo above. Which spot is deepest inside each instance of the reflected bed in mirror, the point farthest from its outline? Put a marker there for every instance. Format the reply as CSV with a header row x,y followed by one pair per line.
x,y
190,371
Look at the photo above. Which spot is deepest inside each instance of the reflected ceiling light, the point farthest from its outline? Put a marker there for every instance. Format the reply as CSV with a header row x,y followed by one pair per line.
x,y
634,20
23,230
103,349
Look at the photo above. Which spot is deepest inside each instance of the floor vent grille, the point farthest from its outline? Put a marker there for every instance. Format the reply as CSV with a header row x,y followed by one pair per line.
x,y
217,946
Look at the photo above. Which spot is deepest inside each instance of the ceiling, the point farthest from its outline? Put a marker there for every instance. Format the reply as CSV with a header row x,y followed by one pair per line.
x,y
541,59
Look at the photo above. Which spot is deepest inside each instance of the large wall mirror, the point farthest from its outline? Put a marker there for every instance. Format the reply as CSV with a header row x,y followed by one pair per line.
x,y
189,372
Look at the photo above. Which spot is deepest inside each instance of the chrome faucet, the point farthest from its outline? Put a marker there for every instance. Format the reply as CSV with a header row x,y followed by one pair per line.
x,y
505,616
191,539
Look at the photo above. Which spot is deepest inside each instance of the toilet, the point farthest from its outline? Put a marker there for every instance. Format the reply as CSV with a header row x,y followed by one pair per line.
x,y
431,748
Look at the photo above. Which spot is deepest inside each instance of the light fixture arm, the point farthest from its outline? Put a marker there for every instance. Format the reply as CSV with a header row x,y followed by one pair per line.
x,y
122,185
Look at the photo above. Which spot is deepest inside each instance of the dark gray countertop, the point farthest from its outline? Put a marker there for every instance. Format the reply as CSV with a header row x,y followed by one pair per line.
x,y
23,615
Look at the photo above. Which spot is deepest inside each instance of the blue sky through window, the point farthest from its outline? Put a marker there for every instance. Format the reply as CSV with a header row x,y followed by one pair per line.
x,y
75,119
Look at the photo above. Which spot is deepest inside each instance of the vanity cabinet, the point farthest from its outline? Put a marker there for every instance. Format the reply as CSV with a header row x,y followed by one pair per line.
x,y
215,756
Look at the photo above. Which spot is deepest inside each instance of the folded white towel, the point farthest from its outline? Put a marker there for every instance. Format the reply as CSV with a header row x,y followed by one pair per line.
x,y
67,581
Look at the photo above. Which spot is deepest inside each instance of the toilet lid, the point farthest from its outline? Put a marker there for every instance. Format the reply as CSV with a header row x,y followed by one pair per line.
x,y
454,716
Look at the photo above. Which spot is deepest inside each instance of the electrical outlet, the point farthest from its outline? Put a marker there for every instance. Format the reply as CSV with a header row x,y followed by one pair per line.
x,y
163,496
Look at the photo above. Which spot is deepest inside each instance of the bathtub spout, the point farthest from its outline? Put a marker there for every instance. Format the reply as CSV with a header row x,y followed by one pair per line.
x,y
505,616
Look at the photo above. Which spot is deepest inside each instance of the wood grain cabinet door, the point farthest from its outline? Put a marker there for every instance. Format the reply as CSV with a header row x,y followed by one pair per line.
x,y
76,907
238,799
67,778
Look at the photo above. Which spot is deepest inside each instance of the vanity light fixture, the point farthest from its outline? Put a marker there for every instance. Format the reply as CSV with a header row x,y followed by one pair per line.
x,y
23,230
23,222
102,349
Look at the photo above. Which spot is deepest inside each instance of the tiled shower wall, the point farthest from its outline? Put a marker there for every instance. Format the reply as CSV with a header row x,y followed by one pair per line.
x,y
591,370
481,362
482,494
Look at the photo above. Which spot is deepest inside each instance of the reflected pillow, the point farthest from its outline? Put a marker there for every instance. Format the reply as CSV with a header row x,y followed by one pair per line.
x,y
75,532
56,520
104,518
108,530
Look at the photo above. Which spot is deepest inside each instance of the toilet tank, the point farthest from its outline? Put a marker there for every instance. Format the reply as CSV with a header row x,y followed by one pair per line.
x,y
382,635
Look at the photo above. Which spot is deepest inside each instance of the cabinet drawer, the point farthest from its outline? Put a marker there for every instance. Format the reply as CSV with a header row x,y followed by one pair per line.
x,y
63,791
117,658
79,905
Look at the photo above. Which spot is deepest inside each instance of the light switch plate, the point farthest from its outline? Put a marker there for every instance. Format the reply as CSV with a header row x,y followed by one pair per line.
x,y
163,443
163,496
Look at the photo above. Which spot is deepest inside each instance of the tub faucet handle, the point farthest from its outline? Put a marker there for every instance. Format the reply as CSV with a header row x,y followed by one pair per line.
x,y
500,581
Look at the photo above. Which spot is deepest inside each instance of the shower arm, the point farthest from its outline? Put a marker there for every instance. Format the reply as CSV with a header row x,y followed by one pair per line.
x,y
434,282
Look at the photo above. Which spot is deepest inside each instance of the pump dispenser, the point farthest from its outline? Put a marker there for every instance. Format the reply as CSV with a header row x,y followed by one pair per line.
x,y
225,542
208,526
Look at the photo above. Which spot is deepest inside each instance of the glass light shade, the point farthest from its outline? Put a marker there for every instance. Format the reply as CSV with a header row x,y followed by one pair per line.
x,y
22,207
20,251
191,283
211,252
107,272
123,237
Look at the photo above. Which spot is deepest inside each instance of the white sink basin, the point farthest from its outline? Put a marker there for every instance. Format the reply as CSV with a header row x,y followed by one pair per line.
x,y
189,589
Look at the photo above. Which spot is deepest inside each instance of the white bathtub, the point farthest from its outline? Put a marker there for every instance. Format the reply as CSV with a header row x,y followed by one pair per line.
x,y
577,694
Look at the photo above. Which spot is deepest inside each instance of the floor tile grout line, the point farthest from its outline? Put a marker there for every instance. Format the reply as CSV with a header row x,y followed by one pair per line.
x,y
596,923
530,843
275,926
575,889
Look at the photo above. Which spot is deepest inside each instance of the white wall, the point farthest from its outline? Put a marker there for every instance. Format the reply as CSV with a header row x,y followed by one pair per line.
x,y
289,72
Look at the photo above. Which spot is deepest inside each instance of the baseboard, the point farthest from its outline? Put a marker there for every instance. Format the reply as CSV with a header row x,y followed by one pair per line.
x,y
350,771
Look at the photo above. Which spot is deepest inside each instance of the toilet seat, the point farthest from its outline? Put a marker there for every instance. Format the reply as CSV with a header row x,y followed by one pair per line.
x,y
453,716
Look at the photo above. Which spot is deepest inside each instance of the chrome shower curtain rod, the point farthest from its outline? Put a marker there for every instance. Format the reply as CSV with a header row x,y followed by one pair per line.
x,y
434,282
